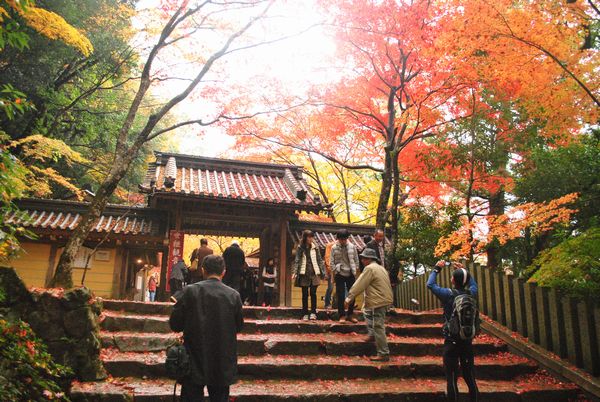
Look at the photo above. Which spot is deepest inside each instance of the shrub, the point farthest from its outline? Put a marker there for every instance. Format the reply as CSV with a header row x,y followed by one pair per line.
x,y
573,266
27,371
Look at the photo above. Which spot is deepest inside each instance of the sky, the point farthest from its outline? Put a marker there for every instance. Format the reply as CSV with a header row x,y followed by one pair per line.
x,y
295,61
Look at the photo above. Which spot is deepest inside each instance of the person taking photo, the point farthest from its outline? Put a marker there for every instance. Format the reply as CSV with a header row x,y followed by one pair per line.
x,y
461,325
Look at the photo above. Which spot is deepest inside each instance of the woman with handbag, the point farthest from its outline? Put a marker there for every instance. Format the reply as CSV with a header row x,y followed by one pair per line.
x,y
307,272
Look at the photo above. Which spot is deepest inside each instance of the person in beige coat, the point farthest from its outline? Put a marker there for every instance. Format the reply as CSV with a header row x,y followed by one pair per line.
x,y
375,283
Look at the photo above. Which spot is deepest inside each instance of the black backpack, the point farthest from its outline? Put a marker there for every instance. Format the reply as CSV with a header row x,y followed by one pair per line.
x,y
177,364
464,323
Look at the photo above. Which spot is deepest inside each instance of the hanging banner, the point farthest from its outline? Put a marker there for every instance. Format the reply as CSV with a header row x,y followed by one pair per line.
x,y
175,252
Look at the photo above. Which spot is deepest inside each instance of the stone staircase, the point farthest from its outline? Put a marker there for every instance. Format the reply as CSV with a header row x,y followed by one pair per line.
x,y
284,359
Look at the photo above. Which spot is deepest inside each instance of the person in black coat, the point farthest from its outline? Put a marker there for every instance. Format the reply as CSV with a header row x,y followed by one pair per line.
x,y
234,263
210,316
378,244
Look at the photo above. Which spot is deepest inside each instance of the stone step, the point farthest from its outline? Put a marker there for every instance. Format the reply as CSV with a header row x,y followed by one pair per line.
x,y
501,366
267,313
300,344
534,387
117,321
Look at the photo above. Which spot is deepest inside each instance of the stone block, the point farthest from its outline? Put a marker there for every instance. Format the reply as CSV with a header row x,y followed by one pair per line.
x,y
45,326
79,322
76,297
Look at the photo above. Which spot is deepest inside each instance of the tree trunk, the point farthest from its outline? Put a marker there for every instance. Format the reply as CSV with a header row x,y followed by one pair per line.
x,y
395,263
384,195
63,277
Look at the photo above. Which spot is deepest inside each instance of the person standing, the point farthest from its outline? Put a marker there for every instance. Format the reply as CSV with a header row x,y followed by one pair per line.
x,y
210,316
152,288
196,260
234,264
269,277
344,266
307,272
377,243
457,351
177,277
375,283
328,275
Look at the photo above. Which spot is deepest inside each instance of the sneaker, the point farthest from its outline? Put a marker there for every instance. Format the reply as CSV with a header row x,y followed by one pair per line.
x,y
305,317
313,316
380,358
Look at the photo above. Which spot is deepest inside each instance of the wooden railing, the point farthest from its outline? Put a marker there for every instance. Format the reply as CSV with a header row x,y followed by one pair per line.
x,y
564,325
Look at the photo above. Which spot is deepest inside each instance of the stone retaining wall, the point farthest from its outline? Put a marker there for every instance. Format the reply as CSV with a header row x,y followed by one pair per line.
x,y
67,322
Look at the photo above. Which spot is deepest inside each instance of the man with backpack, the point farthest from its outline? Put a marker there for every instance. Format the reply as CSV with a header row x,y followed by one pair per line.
x,y
210,316
461,317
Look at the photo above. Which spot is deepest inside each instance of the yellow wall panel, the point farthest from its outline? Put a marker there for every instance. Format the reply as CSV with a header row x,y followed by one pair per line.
x,y
32,263
99,278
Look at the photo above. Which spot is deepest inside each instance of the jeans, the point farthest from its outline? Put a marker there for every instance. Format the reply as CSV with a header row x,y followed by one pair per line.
x,y
191,392
341,283
375,319
268,295
313,299
152,295
456,352
328,292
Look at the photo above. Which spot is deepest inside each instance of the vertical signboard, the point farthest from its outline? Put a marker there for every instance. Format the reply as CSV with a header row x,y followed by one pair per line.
x,y
175,252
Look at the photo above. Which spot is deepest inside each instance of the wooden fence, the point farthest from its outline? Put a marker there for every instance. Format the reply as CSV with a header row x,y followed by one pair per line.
x,y
564,325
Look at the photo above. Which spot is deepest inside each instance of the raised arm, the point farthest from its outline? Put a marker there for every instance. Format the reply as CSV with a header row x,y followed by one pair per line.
x,y
472,286
360,285
442,293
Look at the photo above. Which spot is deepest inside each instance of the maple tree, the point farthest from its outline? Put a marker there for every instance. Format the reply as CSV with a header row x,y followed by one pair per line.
x,y
474,235
184,21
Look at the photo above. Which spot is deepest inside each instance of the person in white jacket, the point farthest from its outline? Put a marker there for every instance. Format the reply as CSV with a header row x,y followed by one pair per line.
x,y
344,266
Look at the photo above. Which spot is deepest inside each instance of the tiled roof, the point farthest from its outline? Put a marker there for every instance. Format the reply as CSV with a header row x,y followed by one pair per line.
x,y
37,214
230,179
326,232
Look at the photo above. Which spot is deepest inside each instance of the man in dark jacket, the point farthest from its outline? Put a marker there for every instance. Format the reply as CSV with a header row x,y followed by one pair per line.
x,y
456,351
210,315
234,263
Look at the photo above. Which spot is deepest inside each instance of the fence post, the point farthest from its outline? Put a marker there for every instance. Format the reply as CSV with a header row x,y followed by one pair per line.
x,y
490,294
420,297
480,295
557,323
509,300
543,313
520,308
498,286
587,337
531,312
571,320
